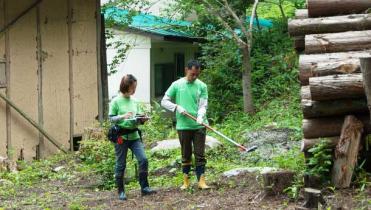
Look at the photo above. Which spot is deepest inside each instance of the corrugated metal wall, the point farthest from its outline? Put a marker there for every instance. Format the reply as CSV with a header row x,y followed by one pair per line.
x,y
52,72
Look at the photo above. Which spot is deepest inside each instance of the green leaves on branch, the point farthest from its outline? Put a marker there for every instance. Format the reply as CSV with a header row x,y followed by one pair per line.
x,y
320,162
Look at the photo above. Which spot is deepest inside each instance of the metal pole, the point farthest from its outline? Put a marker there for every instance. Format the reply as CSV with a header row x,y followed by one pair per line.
x,y
222,135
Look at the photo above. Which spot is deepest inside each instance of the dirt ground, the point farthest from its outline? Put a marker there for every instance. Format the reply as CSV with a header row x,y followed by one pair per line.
x,y
243,192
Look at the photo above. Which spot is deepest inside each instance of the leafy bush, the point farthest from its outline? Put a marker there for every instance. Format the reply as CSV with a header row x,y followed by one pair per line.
x,y
100,156
159,127
320,162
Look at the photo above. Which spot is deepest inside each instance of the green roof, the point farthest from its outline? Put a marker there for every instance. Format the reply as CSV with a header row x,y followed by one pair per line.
x,y
159,25
149,23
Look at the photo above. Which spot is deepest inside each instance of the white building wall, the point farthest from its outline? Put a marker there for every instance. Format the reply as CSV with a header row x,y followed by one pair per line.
x,y
136,63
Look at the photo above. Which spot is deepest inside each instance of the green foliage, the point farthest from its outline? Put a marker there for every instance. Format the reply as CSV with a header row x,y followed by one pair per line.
x,y
100,156
271,9
121,49
32,173
274,71
282,112
274,64
158,127
294,190
223,77
362,177
76,206
320,162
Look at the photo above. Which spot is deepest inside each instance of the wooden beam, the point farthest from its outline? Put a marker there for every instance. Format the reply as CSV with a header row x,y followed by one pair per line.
x,y
336,87
366,74
99,66
346,152
318,8
32,122
40,147
338,42
315,65
329,126
7,93
19,16
309,143
355,22
315,109
70,67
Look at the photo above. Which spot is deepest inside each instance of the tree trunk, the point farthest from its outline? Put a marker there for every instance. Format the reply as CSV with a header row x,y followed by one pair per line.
x,y
309,143
301,13
309,61
315,109
299,43
346,66
312,198
277,181
329,63
357,22
336,87
366,75
346,152
338,42
246,81
318,8
329,126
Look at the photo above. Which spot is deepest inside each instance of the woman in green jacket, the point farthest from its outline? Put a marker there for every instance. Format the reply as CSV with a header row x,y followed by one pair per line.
x,y
123,111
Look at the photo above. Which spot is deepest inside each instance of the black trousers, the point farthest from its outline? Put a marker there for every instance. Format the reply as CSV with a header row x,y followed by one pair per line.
x,y
192,141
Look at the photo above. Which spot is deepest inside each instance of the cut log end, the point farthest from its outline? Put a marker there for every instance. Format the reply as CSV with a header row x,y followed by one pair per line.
x,y
312,198
276,182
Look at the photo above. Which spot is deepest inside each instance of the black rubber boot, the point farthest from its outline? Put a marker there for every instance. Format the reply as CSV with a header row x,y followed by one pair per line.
x,y
199,171
143,181
120,188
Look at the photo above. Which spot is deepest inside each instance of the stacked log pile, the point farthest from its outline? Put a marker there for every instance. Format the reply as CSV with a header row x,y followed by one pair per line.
x,y
332,36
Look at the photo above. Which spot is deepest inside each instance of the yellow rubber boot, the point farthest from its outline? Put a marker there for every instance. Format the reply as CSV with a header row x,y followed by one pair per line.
x,y
186,182
202,184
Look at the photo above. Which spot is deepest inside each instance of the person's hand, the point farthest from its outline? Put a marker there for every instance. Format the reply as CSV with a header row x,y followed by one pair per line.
x,y
127,115
200,119
141,119
180,109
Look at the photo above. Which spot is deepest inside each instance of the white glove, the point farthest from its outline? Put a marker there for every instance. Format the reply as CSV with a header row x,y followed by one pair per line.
x,y
180,109
200,119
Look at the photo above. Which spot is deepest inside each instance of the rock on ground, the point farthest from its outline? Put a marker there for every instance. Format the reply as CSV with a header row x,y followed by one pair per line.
x,y
271,142
174,144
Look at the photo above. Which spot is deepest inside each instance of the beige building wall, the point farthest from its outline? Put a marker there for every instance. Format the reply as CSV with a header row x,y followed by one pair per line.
x,y
22,85
84,64
53,73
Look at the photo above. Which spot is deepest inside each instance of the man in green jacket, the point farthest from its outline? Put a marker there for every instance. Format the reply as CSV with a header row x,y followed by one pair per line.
x,y
189,95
